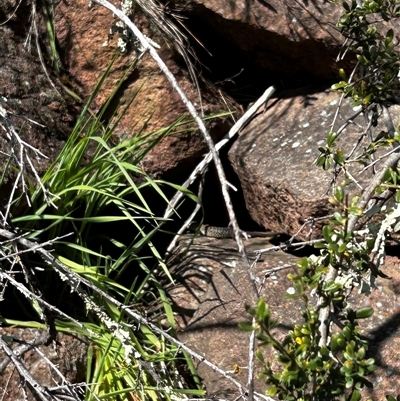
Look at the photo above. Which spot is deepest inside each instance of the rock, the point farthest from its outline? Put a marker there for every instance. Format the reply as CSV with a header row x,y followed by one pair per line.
x,y
217,303
212,291
87,50
258,43
193,265
275,156
68,354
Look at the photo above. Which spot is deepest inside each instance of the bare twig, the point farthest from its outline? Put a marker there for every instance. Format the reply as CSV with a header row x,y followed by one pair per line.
x,y
366,196
187,222
12,14
19,151
202,166
42,392
221,174
77,282
30,295
22,349
39,50
378,159
286,245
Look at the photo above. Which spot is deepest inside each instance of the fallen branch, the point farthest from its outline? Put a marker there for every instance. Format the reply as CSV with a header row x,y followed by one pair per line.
x,y
76,282
221,174
202,166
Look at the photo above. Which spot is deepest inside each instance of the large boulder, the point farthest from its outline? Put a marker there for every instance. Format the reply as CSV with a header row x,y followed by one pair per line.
x,y
275,156
87,49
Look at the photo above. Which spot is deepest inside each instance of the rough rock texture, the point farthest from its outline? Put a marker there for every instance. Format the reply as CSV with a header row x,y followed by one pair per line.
x,y
213,330
214,289
264,42
275,155
193,265
252,44
86,52
68,354
383,330
34,108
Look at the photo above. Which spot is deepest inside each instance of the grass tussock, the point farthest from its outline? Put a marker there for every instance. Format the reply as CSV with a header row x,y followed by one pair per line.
x,y
97,182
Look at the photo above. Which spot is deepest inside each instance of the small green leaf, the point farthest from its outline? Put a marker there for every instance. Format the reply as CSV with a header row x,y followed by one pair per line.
x,y
356,103
333,201
262,311
341,342
364,313
311,365
327,164
389,37
361,353
339,85
334,342
387,175
260,356
367,99
339,194
333,287
355,210
330,139
338,216
320,161
339,157
343,19
327,233
356,396
362,59
246,326
347,332
271,391
393,176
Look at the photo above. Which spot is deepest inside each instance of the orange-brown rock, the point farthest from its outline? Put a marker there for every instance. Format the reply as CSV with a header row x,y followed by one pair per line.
x,y
87,50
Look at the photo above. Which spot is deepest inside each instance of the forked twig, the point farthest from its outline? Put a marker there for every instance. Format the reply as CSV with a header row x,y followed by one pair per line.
x,y
77,282
365,198
203,165
220,171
